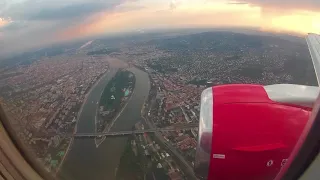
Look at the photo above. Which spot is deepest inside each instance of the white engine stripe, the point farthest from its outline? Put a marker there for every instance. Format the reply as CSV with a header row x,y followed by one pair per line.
x,y
293,94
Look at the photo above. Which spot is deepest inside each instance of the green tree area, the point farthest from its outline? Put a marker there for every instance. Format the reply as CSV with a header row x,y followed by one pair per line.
x,y
135,164
115,95
131,166
202,82
103,51
119,86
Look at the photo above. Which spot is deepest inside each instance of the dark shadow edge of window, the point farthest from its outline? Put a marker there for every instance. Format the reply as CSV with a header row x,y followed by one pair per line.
x,y
11,163
23,150
2,176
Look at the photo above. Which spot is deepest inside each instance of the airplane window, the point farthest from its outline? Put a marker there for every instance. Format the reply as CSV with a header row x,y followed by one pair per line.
x,y
172,89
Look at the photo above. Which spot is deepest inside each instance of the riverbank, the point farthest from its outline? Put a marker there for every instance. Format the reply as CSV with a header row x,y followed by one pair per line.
x,y
78,115
185,166
84,160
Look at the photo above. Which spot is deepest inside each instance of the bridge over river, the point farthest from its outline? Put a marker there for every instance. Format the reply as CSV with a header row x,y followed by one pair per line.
x,y
121,133
85,160
128,132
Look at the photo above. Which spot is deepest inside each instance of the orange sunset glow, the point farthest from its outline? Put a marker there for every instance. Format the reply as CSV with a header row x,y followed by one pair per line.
x,y
47,22
159,89
197,14
3,22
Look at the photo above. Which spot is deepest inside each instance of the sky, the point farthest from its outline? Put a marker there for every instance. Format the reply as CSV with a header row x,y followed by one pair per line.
x,y
26,24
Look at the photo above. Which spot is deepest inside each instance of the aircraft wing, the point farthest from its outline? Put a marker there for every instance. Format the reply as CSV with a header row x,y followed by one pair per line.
x,y
313,41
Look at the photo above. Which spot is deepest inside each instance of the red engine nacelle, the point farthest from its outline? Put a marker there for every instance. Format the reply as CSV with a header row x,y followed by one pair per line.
x,y
243,134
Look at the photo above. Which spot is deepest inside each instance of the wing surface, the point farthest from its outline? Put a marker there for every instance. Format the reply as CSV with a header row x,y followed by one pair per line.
x,y
313,41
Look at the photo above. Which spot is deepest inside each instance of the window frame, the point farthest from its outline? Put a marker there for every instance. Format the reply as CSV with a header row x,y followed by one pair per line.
x,y
21,159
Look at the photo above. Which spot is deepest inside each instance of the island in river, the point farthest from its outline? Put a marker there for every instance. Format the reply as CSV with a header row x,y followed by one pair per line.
x,y
86,161
114,99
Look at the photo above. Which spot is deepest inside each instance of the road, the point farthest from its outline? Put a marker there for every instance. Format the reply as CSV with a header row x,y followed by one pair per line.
x,y
188,169
85,161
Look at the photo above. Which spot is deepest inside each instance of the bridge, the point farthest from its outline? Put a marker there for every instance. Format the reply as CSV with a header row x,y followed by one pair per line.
x,y
141,131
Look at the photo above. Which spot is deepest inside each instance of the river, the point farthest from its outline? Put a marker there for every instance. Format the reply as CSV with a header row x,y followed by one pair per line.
x,y
86,162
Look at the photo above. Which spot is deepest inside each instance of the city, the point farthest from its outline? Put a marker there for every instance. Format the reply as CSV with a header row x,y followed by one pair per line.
x,y
159,90
47,97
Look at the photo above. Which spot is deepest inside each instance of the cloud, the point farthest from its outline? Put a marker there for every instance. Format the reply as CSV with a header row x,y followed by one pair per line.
x,y
173,4
74,11
288,15
284,5
2,22
13,26
22,14
31,23
3,5
22,37
35,23
56,10
238,3
149,18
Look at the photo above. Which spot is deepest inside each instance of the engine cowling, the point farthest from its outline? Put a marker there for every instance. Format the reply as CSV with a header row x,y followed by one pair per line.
x,y
248,131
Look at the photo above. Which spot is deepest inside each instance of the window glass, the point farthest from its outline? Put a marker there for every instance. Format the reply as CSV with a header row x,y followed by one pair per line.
x,y
117,89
